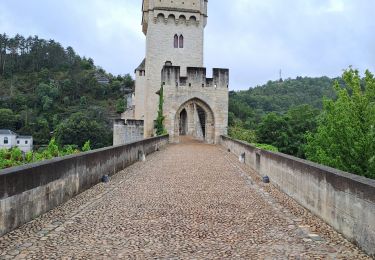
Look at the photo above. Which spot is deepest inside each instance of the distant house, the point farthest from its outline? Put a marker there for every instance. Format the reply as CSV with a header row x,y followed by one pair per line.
x,y
101,79
25,143
9,139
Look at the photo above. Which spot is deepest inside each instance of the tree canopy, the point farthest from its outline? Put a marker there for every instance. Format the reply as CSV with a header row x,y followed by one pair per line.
x,y
346,133
43,84
279,113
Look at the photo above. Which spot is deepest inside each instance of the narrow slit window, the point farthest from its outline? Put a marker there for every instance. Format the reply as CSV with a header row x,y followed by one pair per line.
x,y
181,41
176,41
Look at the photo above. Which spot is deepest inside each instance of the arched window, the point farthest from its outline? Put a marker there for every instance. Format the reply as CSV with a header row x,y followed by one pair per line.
x,y
193,18
160,17
181,41
6,141
176,41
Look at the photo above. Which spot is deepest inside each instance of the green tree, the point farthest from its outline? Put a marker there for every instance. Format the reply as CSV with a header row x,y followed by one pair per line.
x,y
52,149
288,132
128,81
274,130
239,133
301,120
345,135
79,128
47,93
41,131
83,101
86,147
8,120
120,105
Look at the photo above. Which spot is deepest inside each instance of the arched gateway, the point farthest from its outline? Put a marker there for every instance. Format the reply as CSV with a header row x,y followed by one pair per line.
x,y
195,118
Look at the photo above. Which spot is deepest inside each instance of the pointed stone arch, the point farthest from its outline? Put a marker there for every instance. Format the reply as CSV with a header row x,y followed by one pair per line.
x,y
199,120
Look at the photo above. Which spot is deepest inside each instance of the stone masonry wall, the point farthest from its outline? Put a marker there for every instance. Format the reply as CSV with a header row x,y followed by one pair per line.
x,y
31,190
159,49
127,131
213,92
343,200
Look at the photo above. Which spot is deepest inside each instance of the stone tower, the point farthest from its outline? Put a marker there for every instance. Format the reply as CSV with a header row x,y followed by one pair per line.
x,y
174,58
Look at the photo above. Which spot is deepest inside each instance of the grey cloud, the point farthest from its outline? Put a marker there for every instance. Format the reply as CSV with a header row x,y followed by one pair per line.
x,y
254,38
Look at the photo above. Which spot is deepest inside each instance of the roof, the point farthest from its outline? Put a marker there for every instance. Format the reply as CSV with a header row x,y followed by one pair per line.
x,y
101,78
24,137
6,132
141,66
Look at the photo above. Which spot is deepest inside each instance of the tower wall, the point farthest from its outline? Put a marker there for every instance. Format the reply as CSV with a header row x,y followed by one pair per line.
x,y
162,27
140,95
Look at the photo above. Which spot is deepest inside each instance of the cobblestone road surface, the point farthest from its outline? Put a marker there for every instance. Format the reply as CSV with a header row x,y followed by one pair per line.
x,y
188,201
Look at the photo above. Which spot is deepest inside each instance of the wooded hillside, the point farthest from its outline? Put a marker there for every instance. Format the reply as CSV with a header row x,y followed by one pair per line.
x,y
47,90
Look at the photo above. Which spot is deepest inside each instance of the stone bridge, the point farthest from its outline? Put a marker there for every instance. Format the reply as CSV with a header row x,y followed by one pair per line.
x,y
189,200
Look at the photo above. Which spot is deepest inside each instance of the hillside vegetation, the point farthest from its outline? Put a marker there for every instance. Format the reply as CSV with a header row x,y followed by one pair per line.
x,y
279,97
48,91
329,121
279,113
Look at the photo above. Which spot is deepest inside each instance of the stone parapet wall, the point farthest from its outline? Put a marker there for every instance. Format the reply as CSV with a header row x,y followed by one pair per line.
x,y
31,190
196,76
127,131
343,200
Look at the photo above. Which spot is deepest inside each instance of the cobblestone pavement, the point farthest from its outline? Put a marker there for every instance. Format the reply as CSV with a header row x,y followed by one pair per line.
x,y
188,201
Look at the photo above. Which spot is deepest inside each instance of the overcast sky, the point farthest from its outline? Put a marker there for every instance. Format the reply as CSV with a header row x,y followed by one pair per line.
x,y
253,38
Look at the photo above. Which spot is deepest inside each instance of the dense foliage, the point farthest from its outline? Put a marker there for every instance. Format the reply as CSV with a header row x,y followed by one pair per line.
x,y
280,96
160,129
327,121
345,136
15,157
45,88
279,113
287,132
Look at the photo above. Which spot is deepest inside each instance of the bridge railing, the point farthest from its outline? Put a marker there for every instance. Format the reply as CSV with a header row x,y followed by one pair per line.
x,y
343,200
31,190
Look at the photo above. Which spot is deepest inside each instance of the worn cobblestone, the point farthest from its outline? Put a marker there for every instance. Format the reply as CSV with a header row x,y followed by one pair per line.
x,y
188,201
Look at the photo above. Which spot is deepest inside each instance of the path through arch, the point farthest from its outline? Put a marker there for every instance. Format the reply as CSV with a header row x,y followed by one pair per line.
x,y
195,118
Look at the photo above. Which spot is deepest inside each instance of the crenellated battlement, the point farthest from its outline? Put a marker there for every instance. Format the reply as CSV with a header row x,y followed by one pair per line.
x,y
196,76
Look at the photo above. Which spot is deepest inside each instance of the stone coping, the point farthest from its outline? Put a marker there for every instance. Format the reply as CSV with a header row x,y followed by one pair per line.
x,y
361,186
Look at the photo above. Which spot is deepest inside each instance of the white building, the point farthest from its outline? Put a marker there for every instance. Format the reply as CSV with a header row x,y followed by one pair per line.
x,y
9,139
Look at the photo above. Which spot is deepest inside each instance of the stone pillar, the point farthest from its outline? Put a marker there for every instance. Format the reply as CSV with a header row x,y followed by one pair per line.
x,y
198,124
191,117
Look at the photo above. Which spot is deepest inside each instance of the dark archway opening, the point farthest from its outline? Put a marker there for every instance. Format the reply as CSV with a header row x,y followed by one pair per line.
x,y
194,118
202,120
183,122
